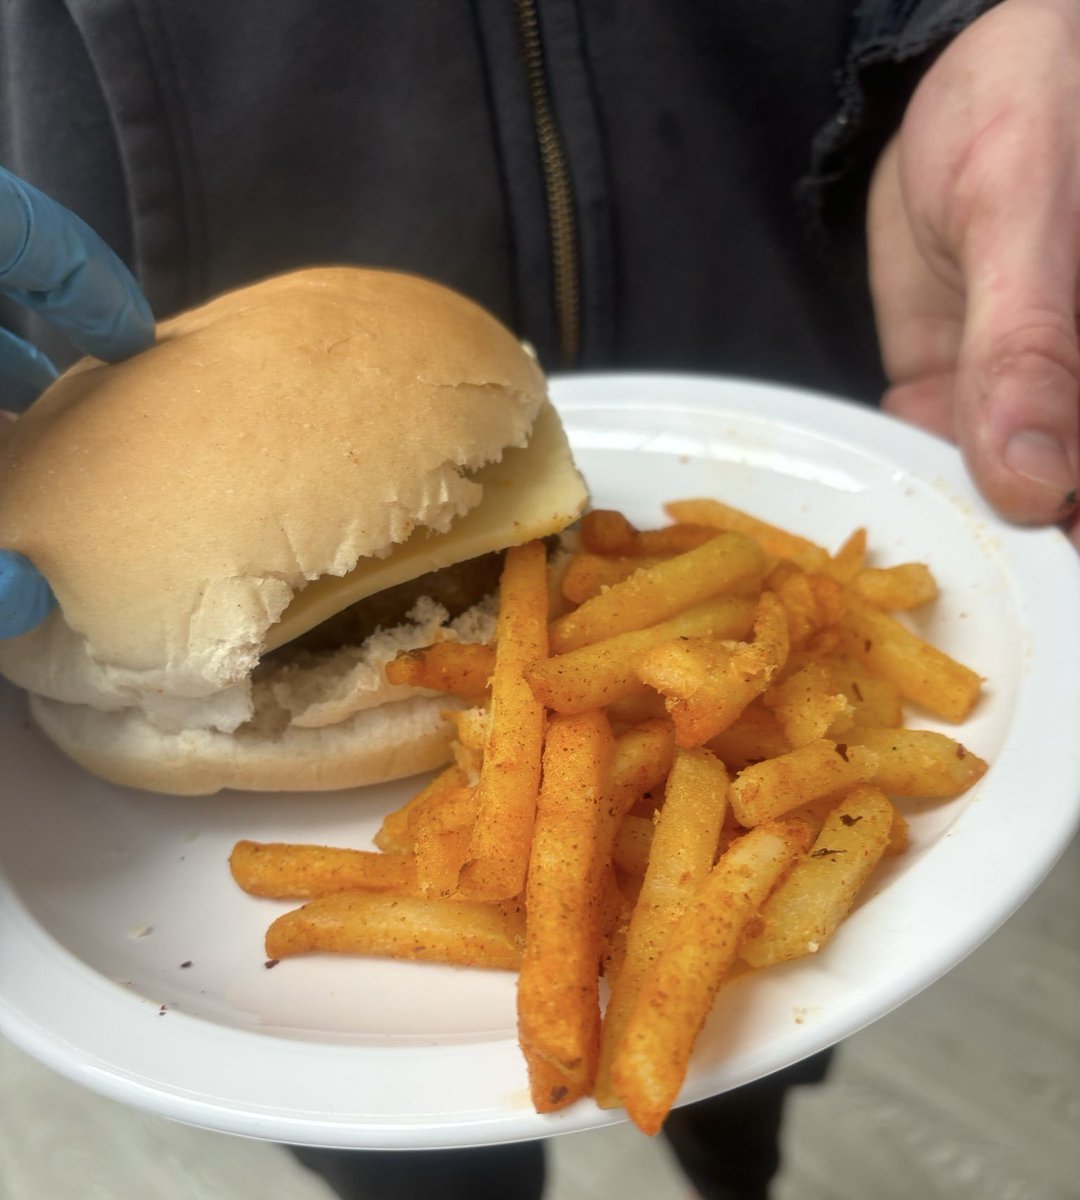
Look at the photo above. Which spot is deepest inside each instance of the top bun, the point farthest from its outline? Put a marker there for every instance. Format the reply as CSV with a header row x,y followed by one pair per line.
x,y
176,501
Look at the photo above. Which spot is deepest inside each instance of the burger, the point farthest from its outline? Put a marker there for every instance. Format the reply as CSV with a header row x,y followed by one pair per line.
x,y
245,522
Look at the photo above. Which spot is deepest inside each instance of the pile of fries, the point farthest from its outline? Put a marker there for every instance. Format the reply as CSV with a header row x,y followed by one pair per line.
x,y
684,750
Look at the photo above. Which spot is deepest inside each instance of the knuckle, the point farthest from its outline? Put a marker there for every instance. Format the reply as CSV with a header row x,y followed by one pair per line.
x,y
1036,344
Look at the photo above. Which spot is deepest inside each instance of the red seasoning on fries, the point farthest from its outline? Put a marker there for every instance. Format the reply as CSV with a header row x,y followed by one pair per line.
x,y
701,759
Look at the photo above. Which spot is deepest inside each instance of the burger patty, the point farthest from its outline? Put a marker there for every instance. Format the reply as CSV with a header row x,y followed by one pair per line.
x,y
457,588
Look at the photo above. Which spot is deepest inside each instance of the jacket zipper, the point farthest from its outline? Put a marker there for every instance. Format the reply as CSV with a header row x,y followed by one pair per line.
x,y
559,194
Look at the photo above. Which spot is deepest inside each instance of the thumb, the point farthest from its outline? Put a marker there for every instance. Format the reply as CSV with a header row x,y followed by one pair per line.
x,y
1017,407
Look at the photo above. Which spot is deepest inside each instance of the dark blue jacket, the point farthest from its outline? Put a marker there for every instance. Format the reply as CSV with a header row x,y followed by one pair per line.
x,y
643,183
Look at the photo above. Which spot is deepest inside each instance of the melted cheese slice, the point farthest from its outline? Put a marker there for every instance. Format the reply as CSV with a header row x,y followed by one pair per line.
x,y
533,492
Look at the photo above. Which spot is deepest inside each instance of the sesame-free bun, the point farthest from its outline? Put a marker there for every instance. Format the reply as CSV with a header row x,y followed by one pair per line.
x,y
297,429
375,745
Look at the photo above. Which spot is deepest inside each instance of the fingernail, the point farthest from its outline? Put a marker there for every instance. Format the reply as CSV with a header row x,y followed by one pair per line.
x,y
1040,457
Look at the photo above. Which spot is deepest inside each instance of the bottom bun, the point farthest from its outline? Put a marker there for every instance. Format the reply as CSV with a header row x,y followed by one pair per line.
x,y
374,746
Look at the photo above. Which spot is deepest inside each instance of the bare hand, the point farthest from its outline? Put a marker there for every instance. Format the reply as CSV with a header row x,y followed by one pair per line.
x,y
974,236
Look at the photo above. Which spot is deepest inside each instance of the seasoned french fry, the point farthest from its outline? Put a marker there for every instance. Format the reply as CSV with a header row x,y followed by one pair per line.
x,y
919,762
287,871
756,734
808,906
807,705
683,850
633,842
463,668
923,673
558,989
551,1088
875,702
510,775
769,789
706,683
898,835
906,585
673,539
472,726
394,835
676,994
609,533
604,672
442,830
447,808
773,540
464,933
642,761
587,575
813,603
849,560
640,705
657,593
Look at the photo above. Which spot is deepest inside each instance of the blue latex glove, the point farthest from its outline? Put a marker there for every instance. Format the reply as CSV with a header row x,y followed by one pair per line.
x,y
54,263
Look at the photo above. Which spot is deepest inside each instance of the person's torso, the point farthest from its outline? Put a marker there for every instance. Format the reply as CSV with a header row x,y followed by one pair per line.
x,y
615,180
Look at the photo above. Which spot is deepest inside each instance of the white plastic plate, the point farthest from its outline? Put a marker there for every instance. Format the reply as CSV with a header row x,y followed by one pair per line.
x,y
131,963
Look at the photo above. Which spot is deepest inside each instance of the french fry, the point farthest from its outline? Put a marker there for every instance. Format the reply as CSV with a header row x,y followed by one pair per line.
x,y
756,734
510,775
641,763
394,834
442,831
463,933
558,988
808,906
813,602
849,560
446,808
287,871
643,704
673,539
462,668
472,726
604,672
706,683
609,533
587,575
659,592
769,789
633,841
676,994
807,705
683,850
875,702
898,835
643,759
923,673
907,585
773,540
551,1088
919,762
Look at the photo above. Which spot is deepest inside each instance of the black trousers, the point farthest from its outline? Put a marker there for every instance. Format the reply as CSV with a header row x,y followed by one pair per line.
x,y
728,1146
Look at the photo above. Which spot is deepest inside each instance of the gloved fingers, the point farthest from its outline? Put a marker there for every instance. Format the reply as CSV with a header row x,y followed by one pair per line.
x,y
25,597
24,371
54,263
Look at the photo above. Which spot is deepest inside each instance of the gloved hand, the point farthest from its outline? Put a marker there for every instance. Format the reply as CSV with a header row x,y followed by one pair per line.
x,y
54,263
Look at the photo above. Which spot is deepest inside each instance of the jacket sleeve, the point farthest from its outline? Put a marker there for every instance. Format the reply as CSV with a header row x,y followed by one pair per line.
x,y
892,44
